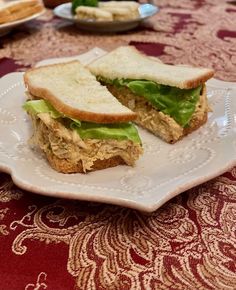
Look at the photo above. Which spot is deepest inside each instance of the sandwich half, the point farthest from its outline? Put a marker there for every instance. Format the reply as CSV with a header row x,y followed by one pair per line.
x,y
78,123
170,101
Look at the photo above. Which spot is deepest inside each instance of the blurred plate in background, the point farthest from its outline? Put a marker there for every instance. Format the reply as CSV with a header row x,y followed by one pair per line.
x,y
145,11
7,27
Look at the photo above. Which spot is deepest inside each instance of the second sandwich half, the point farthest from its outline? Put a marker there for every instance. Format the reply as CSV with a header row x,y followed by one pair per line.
x,y
170,101
78,123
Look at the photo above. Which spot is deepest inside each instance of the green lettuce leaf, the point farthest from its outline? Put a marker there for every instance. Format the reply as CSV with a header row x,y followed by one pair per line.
x,y
76,3
41,106
118,131
178,103
86,130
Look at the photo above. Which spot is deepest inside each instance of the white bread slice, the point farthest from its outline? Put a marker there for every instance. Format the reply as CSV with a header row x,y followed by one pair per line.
x,y
128,63
119,13
121,10
131,5
74,91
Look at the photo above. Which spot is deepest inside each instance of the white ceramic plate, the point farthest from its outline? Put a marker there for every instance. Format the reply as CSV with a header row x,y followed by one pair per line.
x,y
7,27
161,173
145,11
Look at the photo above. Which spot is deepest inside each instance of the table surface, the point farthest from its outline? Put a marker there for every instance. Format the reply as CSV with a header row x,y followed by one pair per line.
x,y
189,243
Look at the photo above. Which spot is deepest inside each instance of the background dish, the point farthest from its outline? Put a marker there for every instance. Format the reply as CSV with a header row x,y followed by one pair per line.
x,y
7,27
145,10
161,173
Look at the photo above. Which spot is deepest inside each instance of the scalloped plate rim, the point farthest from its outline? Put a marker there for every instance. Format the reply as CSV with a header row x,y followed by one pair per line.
x,y
115,201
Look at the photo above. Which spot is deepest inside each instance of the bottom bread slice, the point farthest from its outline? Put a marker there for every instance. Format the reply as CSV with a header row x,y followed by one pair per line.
x,y
66,166
157,122
66,152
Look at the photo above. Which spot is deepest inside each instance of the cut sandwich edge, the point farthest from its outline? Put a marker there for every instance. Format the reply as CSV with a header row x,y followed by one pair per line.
x,y
73,157
79,114
191,84
166,127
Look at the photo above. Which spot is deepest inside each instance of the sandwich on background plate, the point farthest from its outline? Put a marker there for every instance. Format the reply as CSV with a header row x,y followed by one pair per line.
x,y
105,11
121,10
78,123
92,13
15,10
170,100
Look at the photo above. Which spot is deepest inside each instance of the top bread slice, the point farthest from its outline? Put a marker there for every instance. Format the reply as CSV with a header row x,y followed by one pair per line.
x,y
127,62
75,92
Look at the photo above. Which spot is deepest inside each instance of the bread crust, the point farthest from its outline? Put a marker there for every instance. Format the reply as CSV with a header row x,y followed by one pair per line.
x,y
195,125
65,166
190,84
69,111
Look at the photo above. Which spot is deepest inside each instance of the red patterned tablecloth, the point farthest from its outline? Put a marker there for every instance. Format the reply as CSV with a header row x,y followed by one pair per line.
x,y
189,243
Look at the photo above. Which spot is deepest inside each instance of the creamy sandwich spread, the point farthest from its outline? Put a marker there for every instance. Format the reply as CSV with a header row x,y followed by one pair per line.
x,y
76,140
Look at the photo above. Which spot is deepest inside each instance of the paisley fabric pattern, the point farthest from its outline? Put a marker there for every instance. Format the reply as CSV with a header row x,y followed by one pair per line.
x,y
3,230
40,283
185,244
189,243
